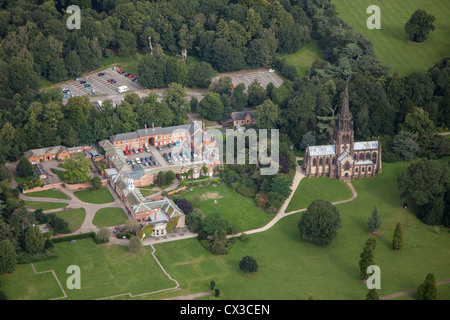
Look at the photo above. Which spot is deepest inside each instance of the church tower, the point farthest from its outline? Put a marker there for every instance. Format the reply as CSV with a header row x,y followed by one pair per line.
x,y
343,132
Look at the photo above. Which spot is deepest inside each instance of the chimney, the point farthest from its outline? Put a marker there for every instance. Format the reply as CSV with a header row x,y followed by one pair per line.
x,y
145,127
153,125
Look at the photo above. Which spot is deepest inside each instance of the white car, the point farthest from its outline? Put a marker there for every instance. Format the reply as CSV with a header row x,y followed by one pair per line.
x,y
271,70
138,161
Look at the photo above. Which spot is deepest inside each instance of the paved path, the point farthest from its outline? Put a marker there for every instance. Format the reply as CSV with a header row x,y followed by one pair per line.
x,y
403,293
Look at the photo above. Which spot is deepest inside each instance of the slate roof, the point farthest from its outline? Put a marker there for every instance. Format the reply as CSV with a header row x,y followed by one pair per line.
x,y
363,162
240,115
325,150
366,145
342,156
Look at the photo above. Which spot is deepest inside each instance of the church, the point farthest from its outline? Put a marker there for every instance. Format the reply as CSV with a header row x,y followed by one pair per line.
x,y
344,159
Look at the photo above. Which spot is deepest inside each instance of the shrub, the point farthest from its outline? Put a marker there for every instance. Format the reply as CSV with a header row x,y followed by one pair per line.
x,y
248,264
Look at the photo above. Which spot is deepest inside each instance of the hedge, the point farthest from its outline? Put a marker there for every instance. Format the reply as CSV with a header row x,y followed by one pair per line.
x,y
26,257
92,235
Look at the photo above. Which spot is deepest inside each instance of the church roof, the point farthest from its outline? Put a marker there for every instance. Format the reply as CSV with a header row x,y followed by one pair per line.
x,y
322,150
343,155
365,145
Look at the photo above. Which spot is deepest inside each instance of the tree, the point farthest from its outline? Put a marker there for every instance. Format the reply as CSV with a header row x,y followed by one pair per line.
x,y
77,170
418,122
320,222
135,244
212,284
248,264
161,179
397,241
24,168
372,295
184,205
200,75
8,257
427,289
211,107
213,224
103,235
405,145
33,240
307,140
132,226
96,183
367,257
170,176
427,182
267,115
419,25
374,222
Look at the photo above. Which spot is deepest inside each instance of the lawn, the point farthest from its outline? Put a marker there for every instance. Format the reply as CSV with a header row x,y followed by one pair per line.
x,y
324,188
45,205
304,58
391,41
101,196
74,217
108,217
147,192
105,271
291,268
56,194
241,212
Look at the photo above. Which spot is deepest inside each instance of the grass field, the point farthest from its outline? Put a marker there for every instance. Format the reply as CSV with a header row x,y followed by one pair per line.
x,y
304,58
108,217
324,188
105,271
290,268
56,194
45,205
147,192
101,196
74,217
241,212
391,41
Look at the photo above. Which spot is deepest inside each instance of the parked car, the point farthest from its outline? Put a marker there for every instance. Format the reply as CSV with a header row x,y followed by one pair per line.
x,y
165,155
101,74
147,149
138,161
135,80
152,158
131,76
147,159
159,148
142,159
141,150
150,163
87,85
82,82
136,150
126,74
133,162
177,143
111,80
146,164
125,152
155,163
65,96
168,159
130,151
169,145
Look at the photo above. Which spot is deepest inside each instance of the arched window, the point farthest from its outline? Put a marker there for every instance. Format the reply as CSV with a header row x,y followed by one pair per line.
x,y
356,169
347,166
374,157
368,155
355,156
362,169
370,169
320,161
314,162
327,161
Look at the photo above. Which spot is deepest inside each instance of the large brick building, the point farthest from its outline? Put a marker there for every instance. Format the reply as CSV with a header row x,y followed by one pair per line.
x,y
344,159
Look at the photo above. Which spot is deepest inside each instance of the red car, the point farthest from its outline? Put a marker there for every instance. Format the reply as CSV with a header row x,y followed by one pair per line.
x,y
118,70
131,76
140,150
125,152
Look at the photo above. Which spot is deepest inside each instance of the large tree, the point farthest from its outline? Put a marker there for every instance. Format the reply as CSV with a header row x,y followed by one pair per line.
x,y
248,264
427,182
427,289
8,257
24,168
374,222
33,240
211,107
320,222
267,115
367,257
419,25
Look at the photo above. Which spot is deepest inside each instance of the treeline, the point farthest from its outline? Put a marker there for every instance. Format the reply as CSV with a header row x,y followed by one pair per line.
x,y
229,35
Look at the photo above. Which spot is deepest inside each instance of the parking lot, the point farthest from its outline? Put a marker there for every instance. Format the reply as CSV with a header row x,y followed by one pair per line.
x,y
264,76
104,87
158,155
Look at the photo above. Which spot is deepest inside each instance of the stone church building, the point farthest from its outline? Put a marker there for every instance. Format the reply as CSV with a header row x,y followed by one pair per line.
x,y
344,159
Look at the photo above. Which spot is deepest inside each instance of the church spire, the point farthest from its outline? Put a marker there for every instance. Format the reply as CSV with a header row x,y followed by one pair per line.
x,y
345,110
